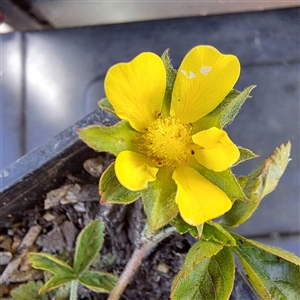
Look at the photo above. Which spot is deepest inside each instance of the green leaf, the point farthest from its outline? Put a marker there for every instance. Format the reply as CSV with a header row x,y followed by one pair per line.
x,y
159,199
112,191
48,262
88,245
56,281
211,231
211,278
273,272
225,180
214,231
171,75
245,154
183,227
100,282
112,139
44,261
29,291
105,105
261,181
225,112
197,253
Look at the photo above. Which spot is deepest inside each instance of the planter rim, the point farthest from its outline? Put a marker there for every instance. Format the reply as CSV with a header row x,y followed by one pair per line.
x,y
34,174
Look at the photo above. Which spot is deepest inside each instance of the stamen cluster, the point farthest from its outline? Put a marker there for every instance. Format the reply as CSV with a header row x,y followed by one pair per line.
x,y
167,141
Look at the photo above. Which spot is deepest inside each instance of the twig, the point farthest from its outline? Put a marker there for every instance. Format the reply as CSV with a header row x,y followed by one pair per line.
x,y
26,243
148,241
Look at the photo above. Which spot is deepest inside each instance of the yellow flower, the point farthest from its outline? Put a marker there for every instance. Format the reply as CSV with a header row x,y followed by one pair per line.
x,y
165,138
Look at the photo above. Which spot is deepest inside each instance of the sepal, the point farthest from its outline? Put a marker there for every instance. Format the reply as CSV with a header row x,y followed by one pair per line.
x,y
225,180
112,191
112,139
159,199
225,112
171,75
105,105
245,154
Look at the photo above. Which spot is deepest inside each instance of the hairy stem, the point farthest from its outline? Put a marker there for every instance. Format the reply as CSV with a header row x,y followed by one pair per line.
x,y
73,290
148,241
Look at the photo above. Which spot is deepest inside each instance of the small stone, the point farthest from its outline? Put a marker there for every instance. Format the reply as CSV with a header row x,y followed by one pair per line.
x,y
25,264
70,233
94,166
163,268
5,242
5,257
54,197
25,276
48,217
52,242
15,244
79,207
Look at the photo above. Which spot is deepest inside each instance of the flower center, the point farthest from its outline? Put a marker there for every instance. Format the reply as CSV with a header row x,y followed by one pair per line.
x,y
167,141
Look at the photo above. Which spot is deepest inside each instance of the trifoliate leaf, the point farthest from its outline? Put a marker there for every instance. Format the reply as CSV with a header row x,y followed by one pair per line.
x,y
261,181
105,105
211,278
29,291
112,139
100,282
225,112
273,272
112,191
88,245
159,199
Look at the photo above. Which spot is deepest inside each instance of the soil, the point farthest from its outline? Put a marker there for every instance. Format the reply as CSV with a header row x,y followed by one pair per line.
x,y
54,223
66,210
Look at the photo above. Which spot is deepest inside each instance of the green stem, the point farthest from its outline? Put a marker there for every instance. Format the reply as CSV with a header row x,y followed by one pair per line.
x,y
73,290
148,241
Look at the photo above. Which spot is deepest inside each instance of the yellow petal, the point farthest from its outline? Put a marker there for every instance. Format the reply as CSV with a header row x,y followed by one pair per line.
x,y
204,78
198,199
134,170
215,149
136,89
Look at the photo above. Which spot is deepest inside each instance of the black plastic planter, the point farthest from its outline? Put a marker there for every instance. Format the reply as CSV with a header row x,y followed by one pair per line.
x,y
45,168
